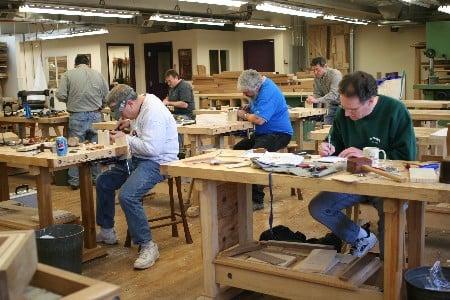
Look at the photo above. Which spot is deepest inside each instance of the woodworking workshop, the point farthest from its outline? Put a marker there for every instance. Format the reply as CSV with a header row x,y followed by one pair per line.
x,y
225,149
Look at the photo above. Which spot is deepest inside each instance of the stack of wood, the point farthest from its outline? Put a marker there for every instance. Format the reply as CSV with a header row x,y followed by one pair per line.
x,y
441,69
226,82
3,60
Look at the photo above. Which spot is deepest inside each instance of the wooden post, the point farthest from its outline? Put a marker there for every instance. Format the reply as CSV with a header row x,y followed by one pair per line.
x,y
4,185
394,220
43,182
87,205
210,235
416,233
417,71
245,213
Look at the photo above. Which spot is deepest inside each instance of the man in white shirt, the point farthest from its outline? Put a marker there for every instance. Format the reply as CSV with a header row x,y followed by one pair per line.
x,y
153,140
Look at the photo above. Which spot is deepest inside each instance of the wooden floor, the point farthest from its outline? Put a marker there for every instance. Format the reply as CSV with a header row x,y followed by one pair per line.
x,y
178,272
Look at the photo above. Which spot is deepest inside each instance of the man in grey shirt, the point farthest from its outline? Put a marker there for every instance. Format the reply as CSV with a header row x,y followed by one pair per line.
x,y
84,90
180,95
326,86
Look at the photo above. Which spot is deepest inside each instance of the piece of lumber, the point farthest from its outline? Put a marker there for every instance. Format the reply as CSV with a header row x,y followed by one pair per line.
x,y
361,270
356,266
271,259
18,262
295,245
318,261
242,249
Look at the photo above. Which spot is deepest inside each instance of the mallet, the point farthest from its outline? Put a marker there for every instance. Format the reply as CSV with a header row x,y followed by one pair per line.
x,y
357,165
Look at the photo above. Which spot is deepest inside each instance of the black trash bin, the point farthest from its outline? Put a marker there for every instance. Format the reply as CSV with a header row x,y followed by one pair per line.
x,y
64,250
416,279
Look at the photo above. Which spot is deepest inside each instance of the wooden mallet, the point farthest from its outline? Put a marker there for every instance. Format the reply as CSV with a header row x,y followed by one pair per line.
x,y
356,165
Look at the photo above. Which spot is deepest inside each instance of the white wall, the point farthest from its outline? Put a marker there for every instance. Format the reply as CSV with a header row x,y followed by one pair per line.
x,y
377,49
10,85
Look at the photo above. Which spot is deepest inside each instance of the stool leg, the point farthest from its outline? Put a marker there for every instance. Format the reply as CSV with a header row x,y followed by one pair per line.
x,y
292,192
173,217
187,234
127,240
299,194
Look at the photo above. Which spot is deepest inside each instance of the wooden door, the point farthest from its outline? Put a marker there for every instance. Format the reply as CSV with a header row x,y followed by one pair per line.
x,y
259,55
158,59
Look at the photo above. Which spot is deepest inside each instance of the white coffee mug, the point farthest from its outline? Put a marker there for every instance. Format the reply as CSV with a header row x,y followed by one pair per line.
x,y
374,154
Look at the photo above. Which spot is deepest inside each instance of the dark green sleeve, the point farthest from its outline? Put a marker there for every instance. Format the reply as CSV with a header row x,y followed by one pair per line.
x,y
403,138
336,135
185,94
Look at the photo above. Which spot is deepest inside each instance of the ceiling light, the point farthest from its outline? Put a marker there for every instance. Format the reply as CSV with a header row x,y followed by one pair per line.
x,y
188,19
54,9
260,26
417,2
346,20
67,33
444,9
234,3
288,10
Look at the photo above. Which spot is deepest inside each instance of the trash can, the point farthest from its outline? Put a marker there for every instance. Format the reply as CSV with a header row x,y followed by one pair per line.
x,y
61,246
416,280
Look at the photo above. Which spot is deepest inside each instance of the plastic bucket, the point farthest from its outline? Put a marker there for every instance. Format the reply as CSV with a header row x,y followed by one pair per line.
x,y
416,281
61,246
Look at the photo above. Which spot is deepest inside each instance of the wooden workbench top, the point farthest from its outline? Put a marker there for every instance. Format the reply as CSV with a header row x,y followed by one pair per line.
x,y
304,112
370,185
429,114
51,160
214,129
421,133
427,104
241,96
39,120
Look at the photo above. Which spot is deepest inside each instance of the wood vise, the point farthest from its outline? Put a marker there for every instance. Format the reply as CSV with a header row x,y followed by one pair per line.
x,y
357,165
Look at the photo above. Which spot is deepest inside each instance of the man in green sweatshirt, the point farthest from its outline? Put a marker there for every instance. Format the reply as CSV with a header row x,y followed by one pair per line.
x,y
365,119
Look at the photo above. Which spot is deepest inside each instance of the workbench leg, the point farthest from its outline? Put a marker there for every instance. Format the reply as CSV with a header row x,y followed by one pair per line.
x,y
210,235
22,131
416,233
43,184
66,130
32,131
87,205
245,213
394,218
45,130
300,142
4,184
57,131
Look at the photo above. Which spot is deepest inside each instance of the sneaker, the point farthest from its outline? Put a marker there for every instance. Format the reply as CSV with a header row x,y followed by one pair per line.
x,y
147,256
107,236
362,246
258,206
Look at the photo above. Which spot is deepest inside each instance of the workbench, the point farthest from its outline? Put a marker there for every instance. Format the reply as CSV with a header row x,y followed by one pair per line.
x,y
420,115
424,138
427,104
44,123
298,116
41,165
227,220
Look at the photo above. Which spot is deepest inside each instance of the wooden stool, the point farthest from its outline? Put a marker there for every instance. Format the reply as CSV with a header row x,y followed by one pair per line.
x,y
173,215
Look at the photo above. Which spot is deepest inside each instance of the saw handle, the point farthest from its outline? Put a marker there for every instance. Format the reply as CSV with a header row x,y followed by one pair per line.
x,y
383,173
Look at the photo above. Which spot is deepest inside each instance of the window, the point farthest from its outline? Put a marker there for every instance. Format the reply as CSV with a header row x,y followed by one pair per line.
x,y
218,61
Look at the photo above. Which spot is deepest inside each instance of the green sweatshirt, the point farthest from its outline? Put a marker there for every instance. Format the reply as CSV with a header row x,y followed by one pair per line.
x,y
388,127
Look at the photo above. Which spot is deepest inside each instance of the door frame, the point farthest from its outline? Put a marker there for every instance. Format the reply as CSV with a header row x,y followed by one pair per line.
x,y
146,49
132,61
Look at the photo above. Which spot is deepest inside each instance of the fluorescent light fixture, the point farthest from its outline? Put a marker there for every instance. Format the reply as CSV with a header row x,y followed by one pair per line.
x,y
68,33
54,9
417,2
288,10
188,19
233,3
346,20
444,9
260,26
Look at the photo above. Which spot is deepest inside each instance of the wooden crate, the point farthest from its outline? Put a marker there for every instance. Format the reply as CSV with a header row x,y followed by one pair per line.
x,y
72,286
18,262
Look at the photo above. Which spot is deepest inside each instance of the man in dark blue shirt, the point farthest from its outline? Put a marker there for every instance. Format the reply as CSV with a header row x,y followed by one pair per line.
x,y
269,112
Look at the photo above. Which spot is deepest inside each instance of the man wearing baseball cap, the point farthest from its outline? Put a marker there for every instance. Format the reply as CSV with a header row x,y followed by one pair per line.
x,y
153,140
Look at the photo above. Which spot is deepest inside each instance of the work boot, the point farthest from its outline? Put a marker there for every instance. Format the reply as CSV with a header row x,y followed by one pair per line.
x,y
107,236
363,245
147,256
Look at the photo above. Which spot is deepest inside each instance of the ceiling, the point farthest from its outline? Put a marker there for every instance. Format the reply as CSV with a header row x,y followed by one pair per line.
x,y
373,10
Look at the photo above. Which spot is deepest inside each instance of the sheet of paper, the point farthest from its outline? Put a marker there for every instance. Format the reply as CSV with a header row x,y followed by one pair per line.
x,y
330,159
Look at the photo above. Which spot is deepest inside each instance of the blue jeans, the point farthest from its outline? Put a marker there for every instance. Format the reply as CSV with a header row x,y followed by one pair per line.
x,y
144,176
80,126
327,208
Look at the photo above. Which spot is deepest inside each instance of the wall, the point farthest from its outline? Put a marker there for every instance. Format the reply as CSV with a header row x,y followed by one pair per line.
x,y
10,85
377,49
